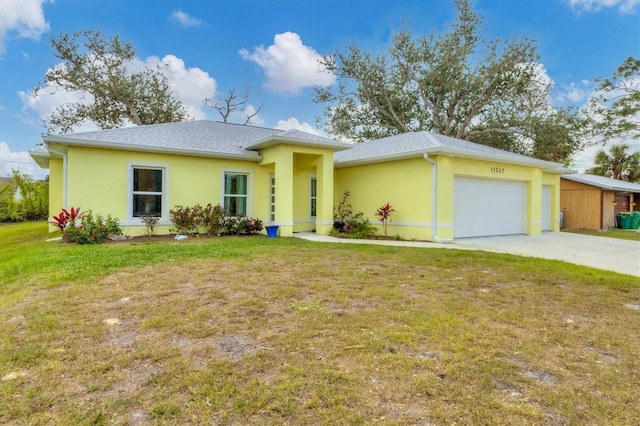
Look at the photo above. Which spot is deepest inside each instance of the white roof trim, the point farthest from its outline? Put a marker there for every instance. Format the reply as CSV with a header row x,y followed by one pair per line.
x,y
276,139
250,155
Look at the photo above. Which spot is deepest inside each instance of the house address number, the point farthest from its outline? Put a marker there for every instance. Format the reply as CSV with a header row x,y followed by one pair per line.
x,y
497,170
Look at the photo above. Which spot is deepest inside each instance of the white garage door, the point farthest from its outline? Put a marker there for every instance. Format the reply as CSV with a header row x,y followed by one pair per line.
x,y
483,207
546,208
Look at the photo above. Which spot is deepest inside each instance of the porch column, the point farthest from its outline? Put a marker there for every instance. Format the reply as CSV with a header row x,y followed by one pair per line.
x,y
284,193
324,208
534,204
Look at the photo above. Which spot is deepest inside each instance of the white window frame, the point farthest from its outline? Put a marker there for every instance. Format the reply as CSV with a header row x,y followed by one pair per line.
x,y
164,217
249,195
313,197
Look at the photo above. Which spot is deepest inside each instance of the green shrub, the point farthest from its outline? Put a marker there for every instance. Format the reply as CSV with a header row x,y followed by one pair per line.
x,y
185,219
211,219
189,220
362,229
33,203
92,230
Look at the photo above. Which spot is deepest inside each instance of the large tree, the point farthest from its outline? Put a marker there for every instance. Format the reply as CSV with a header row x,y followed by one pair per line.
x,y
104,71
457,83
232,104
617,163
616,108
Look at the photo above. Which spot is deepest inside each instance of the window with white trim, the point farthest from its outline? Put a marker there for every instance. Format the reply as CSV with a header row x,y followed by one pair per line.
x,y
236,193
147,191
314,196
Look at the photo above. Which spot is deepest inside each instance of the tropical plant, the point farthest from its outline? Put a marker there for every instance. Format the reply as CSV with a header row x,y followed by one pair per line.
x,y
362,229
67,217
384,215
343,216
617,164
91,230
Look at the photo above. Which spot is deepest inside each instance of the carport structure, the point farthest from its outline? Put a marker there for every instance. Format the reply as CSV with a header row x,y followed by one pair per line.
x,y
593,202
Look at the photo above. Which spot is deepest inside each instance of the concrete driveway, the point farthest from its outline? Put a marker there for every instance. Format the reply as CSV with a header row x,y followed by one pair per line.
x,y
610,254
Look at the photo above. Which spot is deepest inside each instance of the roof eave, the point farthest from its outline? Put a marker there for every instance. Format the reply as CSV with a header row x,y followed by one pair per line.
x,y
547,166
600,185
41,158
249,156
275,139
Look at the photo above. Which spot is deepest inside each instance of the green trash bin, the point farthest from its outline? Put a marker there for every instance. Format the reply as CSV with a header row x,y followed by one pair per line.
x,y
635,216
625,221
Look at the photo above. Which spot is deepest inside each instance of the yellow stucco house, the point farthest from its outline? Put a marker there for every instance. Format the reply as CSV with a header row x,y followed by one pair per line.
x,y
441,188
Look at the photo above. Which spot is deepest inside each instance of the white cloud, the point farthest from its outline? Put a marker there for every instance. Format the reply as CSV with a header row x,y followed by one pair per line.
x,y
191,86
574,92
185,19
20,161
623,6
21,19
289,65
293,124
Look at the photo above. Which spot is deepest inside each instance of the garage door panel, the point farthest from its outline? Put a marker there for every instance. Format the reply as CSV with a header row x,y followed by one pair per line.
x,y
485,207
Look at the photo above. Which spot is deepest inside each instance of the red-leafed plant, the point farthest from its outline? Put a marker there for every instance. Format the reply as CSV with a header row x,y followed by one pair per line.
x,y
384,214
66,217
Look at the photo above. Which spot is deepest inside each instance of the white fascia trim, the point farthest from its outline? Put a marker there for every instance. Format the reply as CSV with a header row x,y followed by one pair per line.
x,y
275,139
381,159
249,156
547,166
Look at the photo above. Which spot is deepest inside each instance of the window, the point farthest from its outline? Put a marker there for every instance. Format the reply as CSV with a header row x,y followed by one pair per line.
x,y
235,193
272,198
314,197
147,192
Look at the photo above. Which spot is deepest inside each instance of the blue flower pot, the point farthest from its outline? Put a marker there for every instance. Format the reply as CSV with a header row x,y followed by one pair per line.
x,y
272,231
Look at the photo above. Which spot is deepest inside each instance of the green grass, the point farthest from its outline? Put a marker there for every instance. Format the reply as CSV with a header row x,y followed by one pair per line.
x,y
622,234
252,330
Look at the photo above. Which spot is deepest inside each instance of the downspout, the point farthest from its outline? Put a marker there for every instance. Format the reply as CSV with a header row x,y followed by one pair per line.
x,y
434,198
64,175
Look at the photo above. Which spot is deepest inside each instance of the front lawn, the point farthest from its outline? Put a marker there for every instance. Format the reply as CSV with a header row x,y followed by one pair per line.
x,y
252,330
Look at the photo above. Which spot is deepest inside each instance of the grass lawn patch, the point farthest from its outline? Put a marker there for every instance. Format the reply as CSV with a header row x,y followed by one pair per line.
x,y
622,234
257,330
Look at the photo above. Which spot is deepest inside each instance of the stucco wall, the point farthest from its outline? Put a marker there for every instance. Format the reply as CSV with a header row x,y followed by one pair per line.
x,y
407,185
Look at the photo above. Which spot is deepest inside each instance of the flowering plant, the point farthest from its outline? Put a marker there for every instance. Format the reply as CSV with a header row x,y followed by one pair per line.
x,y
384,214
67,217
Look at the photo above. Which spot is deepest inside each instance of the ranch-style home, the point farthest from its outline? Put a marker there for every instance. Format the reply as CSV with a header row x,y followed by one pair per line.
x,y
441,188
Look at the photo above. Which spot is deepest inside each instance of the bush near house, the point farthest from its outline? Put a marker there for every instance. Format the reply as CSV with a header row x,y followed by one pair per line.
x,y
24,198
213,219
84,228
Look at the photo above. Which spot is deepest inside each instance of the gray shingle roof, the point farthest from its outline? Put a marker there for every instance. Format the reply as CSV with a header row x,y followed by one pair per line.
x,y
603,182
416,144
200,137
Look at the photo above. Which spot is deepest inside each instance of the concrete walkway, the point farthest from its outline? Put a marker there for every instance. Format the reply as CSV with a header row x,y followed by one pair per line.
x,y
611,254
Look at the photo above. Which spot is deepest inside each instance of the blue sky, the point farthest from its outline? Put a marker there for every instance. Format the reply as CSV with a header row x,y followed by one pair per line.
x,y
272,46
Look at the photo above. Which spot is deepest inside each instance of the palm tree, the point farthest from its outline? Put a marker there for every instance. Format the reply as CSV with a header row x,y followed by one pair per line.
x,y
617,164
